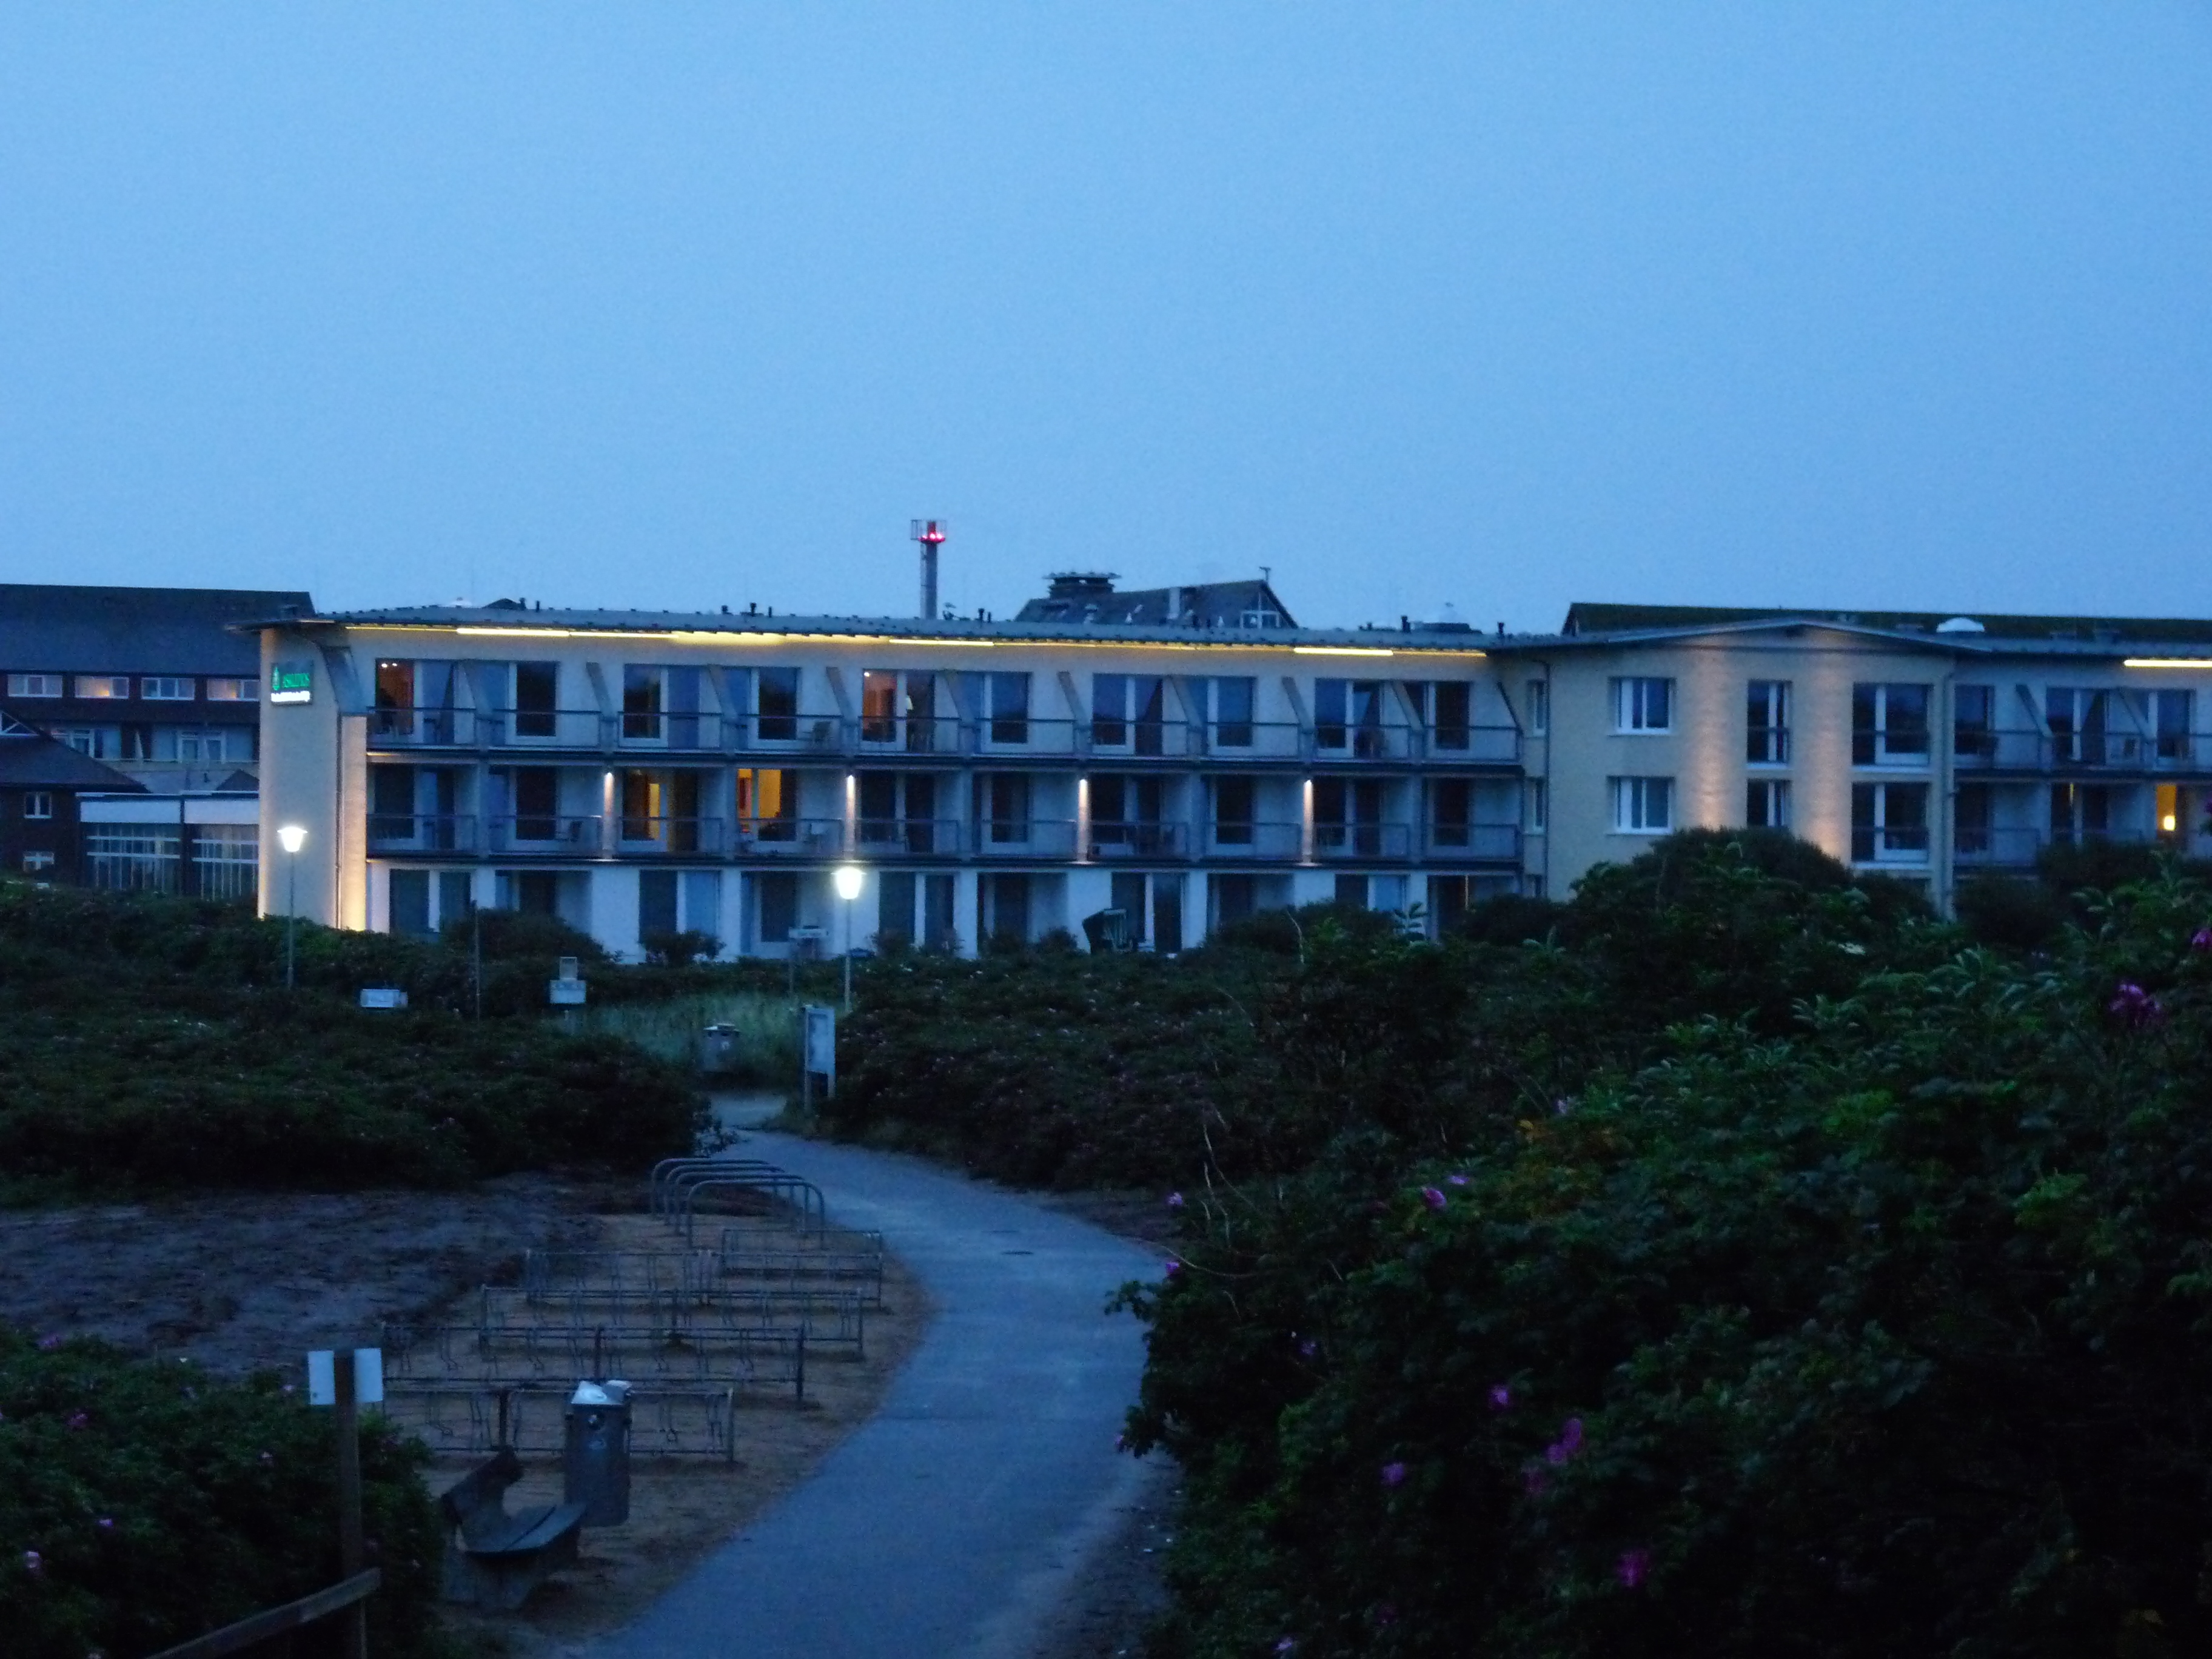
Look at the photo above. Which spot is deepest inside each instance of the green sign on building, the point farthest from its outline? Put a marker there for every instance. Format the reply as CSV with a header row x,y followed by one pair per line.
x,y
292,682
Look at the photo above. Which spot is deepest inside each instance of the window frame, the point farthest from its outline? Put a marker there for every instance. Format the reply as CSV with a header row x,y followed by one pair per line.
x,y
39,806
1633,695
1871,742
21,685
84,691
1766,743
1632,803
1775,815
155,688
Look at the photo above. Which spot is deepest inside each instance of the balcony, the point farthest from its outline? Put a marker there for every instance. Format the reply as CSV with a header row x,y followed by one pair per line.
x,y
1144,838
907,734
908,837
1023,838
694,734
1336,842
421,832
2111,752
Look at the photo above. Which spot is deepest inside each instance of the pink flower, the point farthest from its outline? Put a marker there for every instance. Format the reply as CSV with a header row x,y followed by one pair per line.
x,y
1501,1397
1569,1442
1307,1348
1286,1645
1633,1567
1393,1474
1457,1179
1432,1198
1175,1200
1172,1268
2134,1006
48,1344
78,1421
2201,940
33,1562
106,1523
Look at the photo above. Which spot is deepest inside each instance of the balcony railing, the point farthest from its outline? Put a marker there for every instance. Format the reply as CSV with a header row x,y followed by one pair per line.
x,y
1980,749
1022,838
421,832
790,838
909,838
1474,843
1363,841
675,835
1985,846
565,835
867,737
1274,842
1141,838
1886,844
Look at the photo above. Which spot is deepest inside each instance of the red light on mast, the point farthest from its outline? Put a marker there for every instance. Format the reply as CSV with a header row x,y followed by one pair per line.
x,y
927,530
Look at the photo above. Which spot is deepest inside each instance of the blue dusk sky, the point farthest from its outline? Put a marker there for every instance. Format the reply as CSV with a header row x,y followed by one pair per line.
x,y
673,305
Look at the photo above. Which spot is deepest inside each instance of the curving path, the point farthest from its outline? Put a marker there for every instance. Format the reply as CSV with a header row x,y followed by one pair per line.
x,y
947,1525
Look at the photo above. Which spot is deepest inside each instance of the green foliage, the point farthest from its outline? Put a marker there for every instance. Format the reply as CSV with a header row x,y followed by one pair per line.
x,y
1843,1291
2010,912
149,1043
144,1502
766,1030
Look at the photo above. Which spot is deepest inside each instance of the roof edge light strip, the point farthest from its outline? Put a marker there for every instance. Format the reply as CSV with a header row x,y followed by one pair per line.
x,y
2165,662
734,636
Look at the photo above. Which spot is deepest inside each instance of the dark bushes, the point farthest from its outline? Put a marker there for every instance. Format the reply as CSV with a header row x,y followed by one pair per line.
x,y
142,1503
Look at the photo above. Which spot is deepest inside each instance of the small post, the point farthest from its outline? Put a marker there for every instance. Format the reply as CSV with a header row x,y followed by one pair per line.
x,y
351,1548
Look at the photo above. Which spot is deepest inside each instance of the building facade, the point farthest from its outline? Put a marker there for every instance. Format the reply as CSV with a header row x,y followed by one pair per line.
x,y
641,776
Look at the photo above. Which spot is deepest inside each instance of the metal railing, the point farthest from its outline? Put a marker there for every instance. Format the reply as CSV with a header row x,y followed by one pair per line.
x,y
1986,846
637,833
908,837
1022,838
1274,842
560,834
1363,841
1140,838
1885,844
421,832
790,838
1479,843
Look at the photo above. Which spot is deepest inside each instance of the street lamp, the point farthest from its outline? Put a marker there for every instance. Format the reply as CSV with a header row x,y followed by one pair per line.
x,y
291,837
850,878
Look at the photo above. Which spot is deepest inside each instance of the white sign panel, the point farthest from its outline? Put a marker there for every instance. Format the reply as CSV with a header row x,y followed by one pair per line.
x,y
565,992
367,1377
822,1040
383,996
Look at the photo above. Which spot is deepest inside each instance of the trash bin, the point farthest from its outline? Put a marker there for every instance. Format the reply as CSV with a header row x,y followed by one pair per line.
x,y
595,1467
718,1048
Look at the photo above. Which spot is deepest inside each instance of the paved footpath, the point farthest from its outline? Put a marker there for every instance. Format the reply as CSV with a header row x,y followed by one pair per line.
x,y
948,1525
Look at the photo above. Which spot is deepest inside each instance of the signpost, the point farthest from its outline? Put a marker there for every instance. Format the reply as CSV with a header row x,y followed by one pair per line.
x,y
346,1379
567,992
817,1031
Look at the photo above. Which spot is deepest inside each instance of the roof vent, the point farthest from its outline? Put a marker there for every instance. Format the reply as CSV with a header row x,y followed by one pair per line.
x,y
1961,625
1079,584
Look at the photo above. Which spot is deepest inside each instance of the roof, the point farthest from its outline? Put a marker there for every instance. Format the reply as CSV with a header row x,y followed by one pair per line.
x,y
29,759
691,627
1203,604
134,631
1585,618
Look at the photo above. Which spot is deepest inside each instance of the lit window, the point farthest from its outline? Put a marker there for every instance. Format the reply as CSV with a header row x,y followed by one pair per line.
x,y
1643,806
34,685
233,690
103,685
166,688
37,861
1641,705
38,804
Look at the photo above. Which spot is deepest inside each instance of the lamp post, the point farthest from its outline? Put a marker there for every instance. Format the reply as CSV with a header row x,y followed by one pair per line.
x,y
850,878
291,838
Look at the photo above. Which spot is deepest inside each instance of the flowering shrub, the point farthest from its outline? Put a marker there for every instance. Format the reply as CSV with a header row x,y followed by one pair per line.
x,y
1878,1325
142,1503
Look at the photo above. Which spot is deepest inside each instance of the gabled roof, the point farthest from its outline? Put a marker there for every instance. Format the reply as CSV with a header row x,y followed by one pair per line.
x,y
29,759
57,629
1203,604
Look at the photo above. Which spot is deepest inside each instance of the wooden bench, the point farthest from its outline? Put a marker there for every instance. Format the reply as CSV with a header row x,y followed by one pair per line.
x,y
494,1559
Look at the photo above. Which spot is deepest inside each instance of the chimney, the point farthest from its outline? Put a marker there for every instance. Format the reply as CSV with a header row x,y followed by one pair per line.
x,y
930,534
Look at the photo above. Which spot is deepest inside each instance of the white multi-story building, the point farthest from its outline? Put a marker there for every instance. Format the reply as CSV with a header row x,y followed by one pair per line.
x,y
1181,757
641,774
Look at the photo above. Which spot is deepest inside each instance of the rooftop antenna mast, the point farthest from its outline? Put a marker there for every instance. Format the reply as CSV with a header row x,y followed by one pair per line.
x,y
930,532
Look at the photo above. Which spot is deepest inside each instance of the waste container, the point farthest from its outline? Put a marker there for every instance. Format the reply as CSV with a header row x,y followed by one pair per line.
x,y
595,1466
718,1048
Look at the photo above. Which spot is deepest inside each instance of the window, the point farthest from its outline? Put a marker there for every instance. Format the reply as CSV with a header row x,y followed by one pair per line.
x,y
100,742
2170,713
878,705
1643,806
35,862
2082,728
38,804
535,686
644,696
137,743
233,690
1454,719
2166,807
1889,725
1643,705
1766,804
1540,806
1453,812
1889,822
776,904
409,902
1010,707
656,902
776,703
2081,812
1974,724
1234,698
1232,811
1349,713
1766,724
34,685
166,688
103,685
1540,707
1127,710
1005,797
